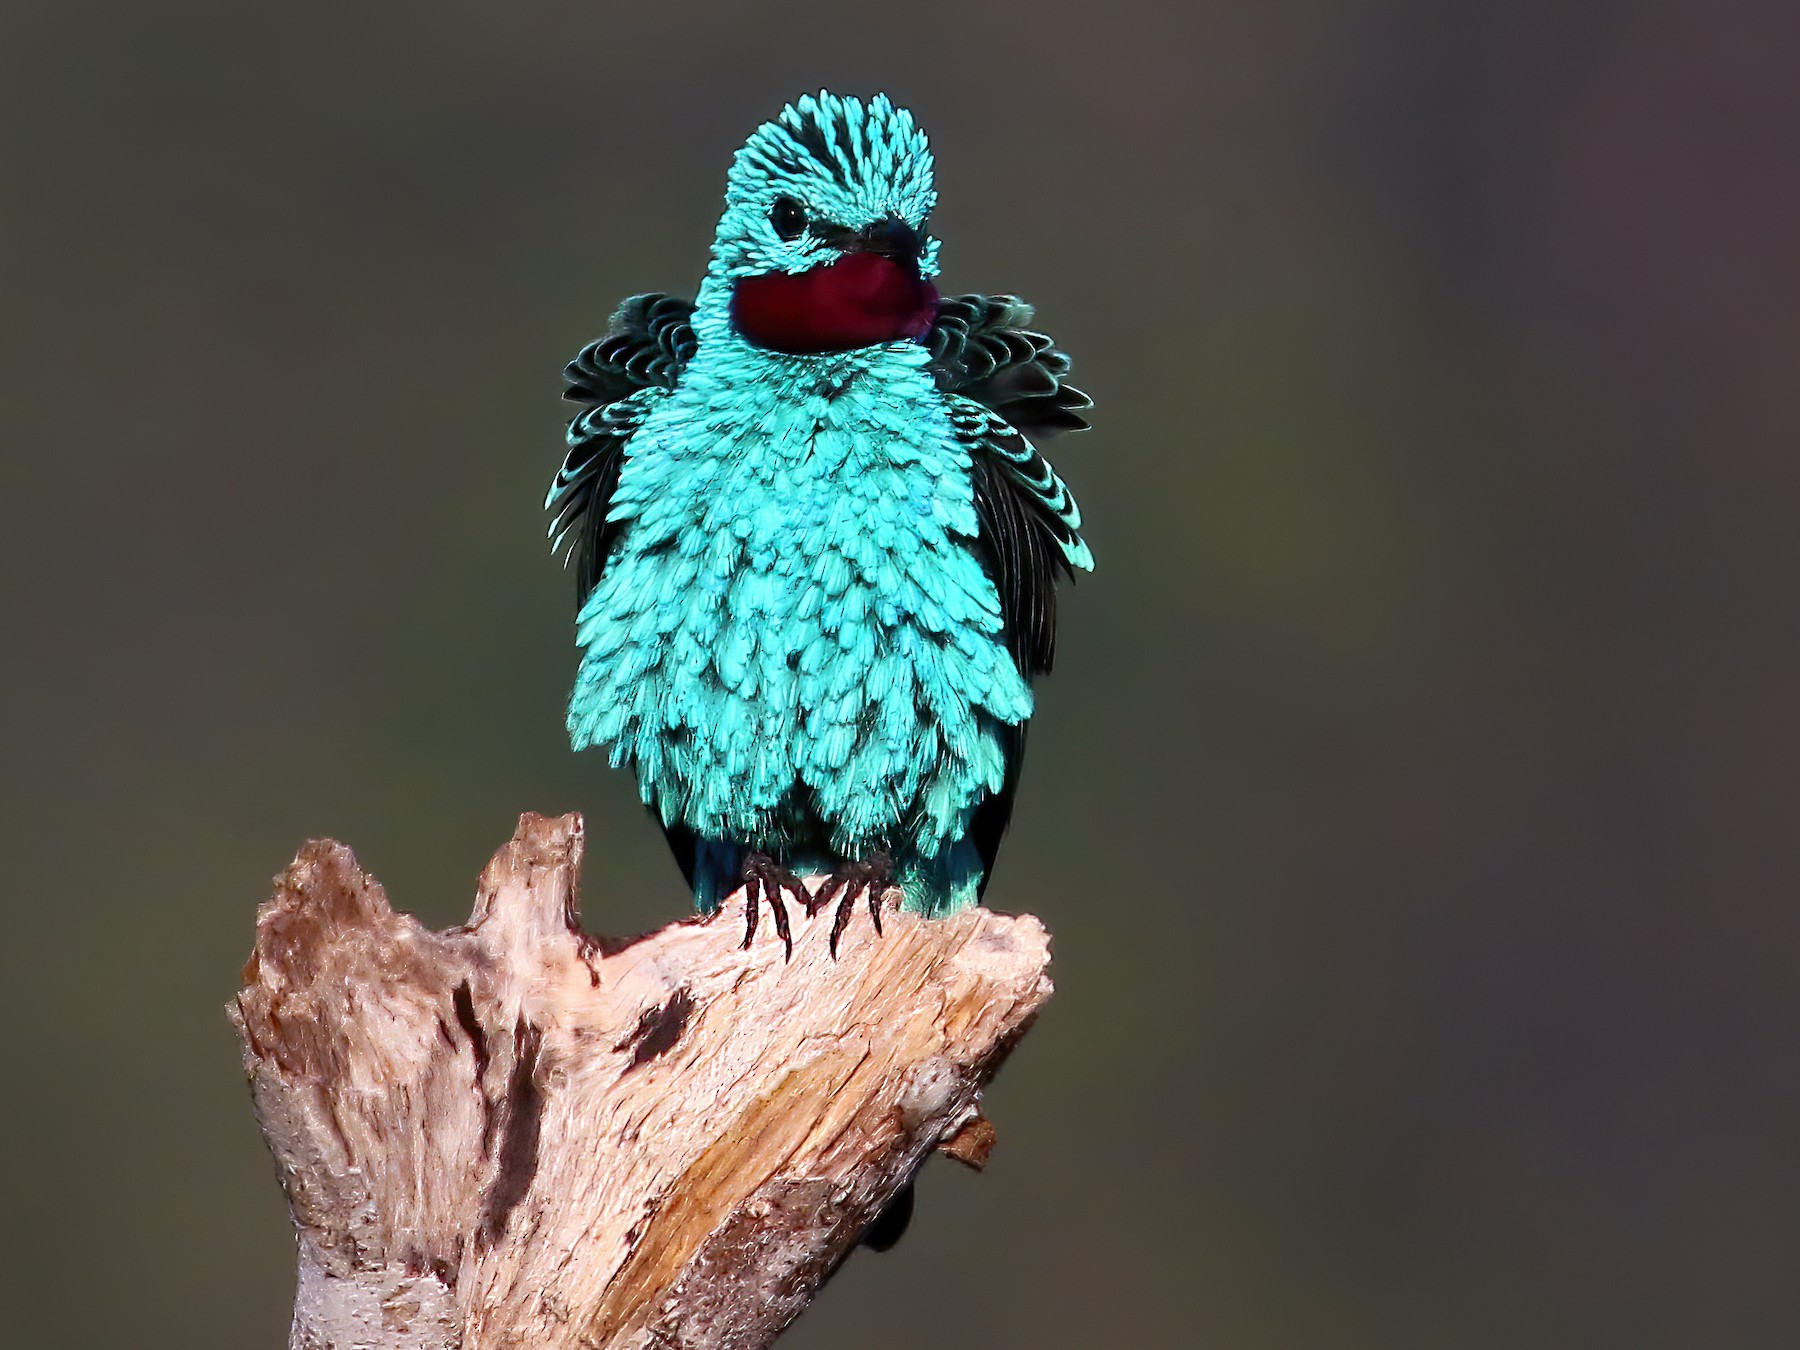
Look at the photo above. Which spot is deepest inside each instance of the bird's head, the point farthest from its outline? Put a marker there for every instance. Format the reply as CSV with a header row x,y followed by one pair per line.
x,y
823,244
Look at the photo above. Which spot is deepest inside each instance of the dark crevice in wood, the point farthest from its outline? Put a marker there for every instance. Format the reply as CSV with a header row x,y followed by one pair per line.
x,y
463,1000
522,1114
658,1029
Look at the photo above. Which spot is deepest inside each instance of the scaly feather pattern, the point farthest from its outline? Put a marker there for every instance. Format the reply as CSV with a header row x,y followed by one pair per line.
x,y
983,348
649,340
814,585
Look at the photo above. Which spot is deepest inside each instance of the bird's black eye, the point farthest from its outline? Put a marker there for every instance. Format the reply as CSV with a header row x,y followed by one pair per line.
x,y
788,217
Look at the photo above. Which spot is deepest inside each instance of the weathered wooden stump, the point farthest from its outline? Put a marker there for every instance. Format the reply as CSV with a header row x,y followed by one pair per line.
x,y
512,1134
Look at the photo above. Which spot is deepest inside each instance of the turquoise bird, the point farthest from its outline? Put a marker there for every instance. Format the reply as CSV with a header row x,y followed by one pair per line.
x,y
815,546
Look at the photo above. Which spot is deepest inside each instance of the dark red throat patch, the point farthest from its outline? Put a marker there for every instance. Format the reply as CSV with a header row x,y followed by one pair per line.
x,y
860,300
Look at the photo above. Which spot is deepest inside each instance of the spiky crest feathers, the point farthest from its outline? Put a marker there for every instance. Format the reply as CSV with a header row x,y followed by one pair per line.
x,y
847,162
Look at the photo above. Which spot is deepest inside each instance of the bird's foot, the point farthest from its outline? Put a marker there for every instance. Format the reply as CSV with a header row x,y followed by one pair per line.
x,y
871,877
766,879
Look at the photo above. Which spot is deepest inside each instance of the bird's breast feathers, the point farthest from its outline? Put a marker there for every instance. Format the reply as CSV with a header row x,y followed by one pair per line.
x,y
793,606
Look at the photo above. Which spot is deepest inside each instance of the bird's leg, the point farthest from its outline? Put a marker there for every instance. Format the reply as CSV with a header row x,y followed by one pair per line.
x,y
870,877
766,879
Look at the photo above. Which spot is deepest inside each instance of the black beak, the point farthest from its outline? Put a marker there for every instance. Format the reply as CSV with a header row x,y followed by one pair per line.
x,y
891,238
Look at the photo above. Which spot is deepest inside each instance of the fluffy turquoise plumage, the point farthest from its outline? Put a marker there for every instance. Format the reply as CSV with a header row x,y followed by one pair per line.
x,y
816,548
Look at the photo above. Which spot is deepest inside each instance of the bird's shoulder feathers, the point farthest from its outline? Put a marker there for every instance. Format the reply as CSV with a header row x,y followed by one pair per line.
x,y
618,377
984,348
1006,387
651,337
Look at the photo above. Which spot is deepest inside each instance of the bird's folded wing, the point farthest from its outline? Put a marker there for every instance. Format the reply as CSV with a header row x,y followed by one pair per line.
x,y
982,347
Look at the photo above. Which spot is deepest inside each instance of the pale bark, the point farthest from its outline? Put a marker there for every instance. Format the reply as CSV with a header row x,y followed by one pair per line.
x,y
511,1134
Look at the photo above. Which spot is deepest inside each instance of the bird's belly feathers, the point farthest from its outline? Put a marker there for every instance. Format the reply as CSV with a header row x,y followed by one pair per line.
x,y
798,641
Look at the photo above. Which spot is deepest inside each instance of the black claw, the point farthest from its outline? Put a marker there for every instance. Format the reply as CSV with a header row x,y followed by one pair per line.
x,y
751,887
766,879
869,878
826,894
793,883
778,907
842,919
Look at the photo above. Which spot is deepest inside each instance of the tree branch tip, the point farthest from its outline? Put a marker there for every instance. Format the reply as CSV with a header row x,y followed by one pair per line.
x,y
529,891
972,1143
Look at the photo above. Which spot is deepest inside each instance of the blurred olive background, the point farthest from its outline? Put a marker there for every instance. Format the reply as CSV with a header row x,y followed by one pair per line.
x,y
1414,802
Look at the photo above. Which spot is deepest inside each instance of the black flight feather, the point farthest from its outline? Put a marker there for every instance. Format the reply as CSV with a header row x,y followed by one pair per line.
x,y
982,349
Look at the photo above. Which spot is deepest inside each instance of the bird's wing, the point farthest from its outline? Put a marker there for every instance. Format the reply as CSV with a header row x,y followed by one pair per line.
x,y
649,340
619,376
983,347
1028,533
1005,386
1029,530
